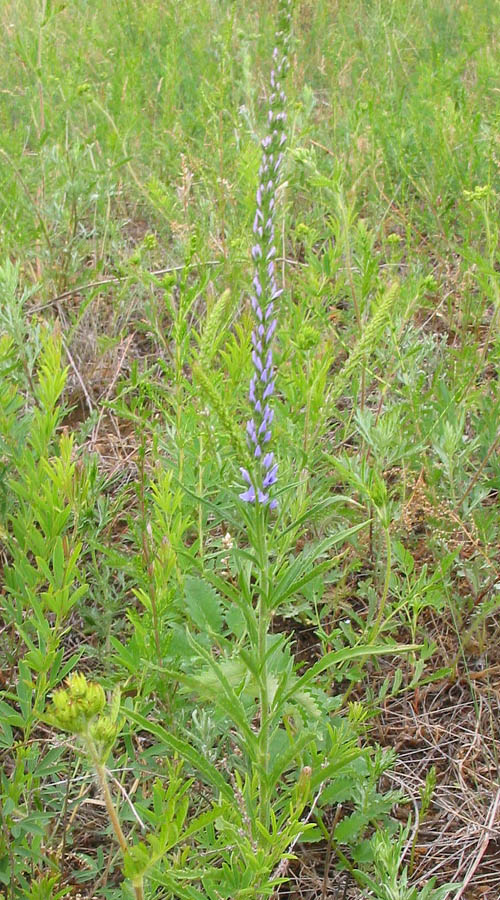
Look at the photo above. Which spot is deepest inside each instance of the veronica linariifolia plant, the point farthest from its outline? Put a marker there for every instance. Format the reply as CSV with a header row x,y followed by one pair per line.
x,y
274,725
277,742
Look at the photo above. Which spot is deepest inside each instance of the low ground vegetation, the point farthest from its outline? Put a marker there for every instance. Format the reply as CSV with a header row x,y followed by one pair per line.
x,y
201,697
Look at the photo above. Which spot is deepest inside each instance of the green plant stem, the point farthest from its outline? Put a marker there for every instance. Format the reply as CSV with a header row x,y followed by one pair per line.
x,y
385,592
113,815
263,627
179,398
200,494
110,808
139,890
148,557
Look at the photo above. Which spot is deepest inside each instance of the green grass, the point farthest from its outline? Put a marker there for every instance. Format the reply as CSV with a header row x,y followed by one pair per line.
x,y
129,150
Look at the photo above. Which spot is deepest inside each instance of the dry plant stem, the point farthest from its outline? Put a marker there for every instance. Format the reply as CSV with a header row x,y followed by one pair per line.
x,y
79,377
483,846
328,859
383,601
128,797
115,279
111,385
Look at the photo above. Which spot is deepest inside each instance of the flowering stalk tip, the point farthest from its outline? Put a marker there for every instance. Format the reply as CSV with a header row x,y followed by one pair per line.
x,y
265,288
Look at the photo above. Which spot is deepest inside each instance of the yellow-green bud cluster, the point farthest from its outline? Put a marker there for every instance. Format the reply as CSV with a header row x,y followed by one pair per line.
x,y
74,707
103,731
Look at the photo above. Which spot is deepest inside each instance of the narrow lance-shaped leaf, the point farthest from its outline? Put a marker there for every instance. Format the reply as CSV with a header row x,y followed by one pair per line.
x,y
336,657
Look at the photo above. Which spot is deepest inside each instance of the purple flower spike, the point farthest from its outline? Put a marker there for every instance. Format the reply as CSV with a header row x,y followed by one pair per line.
x,y
264,472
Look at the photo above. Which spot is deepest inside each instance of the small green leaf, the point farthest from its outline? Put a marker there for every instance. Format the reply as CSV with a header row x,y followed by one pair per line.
x,y
349,827
203,604
48,765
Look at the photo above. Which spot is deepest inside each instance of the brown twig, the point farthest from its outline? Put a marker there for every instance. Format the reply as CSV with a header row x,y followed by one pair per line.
x,y
328,854
115,279
111,385
483,846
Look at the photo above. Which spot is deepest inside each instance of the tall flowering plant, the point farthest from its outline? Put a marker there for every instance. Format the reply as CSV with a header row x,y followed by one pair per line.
x,y
265,288
273,719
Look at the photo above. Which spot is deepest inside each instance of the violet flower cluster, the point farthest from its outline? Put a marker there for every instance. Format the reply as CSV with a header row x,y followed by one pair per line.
x,y
265,287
